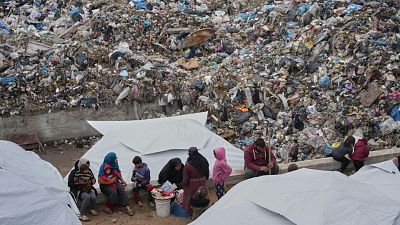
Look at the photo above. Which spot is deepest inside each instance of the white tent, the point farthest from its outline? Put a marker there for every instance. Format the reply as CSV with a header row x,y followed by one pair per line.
x,y
306,197
156,141
32,191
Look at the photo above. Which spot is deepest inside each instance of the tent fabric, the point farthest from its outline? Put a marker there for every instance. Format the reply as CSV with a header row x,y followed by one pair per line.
x,y
308,197
170,137
107,127
383,177
32,191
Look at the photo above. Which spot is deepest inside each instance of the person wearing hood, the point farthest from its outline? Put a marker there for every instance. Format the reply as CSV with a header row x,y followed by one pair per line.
x,y
259,160
141,181
346,148
115,196
172,172
221,171
81,181
360,151
195,175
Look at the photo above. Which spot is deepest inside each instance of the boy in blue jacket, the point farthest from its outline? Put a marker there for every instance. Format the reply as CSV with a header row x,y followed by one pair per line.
x,y
141,180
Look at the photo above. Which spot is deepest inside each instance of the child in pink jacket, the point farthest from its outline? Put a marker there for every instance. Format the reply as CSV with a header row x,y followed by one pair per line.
x,y
221,171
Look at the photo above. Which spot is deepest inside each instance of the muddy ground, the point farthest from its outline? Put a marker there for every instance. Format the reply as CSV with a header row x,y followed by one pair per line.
x,y
63,157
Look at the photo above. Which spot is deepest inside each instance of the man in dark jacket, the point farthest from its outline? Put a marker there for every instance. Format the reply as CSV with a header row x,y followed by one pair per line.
x,y
256,160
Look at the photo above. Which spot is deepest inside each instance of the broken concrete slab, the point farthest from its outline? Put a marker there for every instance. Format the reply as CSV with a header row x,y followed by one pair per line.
x,y
371,95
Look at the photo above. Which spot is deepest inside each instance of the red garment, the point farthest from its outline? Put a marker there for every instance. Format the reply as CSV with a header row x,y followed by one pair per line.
x,y
254,160
192,180
361,150
114,173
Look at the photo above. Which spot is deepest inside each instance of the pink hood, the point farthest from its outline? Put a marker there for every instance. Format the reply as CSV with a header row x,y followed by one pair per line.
x,y
220,153
221,170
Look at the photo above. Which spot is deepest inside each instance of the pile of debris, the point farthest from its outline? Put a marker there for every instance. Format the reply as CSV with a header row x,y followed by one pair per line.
x,y
309,72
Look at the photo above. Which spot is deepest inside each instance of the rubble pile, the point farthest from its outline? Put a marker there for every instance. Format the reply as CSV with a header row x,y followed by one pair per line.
x,y
301,73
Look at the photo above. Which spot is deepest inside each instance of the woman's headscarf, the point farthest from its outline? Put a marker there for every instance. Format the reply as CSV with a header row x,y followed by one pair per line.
x,y
109,159
81,162
169,172
199,162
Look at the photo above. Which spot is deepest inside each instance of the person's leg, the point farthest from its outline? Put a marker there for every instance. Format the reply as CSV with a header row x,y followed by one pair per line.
x,y
275,169
344,162
220,190
92,202
136,195
148,189
358,164
250,173
111,194
85,202
122,198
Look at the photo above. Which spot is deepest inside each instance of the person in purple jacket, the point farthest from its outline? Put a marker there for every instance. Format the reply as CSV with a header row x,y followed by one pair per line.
x,y
141,180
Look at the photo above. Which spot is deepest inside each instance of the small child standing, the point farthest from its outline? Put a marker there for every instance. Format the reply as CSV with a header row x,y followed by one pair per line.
x,y
200,202
221,171
141,180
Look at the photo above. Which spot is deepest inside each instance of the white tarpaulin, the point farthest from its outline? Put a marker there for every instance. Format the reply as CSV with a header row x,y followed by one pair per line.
x,y
156,141
32,191
306,197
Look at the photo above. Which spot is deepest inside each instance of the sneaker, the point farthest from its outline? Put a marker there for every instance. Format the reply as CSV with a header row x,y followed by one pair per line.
x,y
152,204
140,204
84,218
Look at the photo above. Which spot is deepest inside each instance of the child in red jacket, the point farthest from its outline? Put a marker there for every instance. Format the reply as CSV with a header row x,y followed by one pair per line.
x,y
361,151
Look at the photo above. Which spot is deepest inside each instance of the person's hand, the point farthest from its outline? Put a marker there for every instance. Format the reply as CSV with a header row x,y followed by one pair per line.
x,y
264,169
123,183
270,165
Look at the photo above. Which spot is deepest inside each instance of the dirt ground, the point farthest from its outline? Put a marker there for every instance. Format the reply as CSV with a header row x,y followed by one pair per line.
x,y
63,158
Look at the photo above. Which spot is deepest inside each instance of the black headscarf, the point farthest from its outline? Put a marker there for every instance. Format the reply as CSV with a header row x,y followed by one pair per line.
x,y
169,173
199,162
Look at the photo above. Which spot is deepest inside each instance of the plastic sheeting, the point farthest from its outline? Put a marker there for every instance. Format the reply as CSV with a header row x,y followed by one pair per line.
x,y
32,191
157,141
308,197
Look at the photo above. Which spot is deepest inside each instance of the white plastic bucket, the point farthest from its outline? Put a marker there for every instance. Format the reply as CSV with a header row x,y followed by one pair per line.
x,y
163,207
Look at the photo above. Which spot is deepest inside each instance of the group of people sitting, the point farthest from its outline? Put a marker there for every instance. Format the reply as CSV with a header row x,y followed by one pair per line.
x,y
355,147
191,177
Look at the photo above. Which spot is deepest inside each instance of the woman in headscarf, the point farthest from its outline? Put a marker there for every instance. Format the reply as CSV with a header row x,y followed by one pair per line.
x,y
115,196
195,175
172,172
81,181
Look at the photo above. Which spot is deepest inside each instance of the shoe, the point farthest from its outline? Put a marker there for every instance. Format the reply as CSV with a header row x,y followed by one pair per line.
x,y
140,204
152,204
93,212
84,218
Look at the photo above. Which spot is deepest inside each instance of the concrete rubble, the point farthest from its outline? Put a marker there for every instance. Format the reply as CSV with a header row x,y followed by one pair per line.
x,y
307,72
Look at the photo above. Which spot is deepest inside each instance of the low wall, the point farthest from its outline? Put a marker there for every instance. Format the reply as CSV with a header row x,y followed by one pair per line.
x,y
69,124
319,164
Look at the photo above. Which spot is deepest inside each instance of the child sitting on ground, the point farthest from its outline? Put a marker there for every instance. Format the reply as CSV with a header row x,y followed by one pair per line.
x,y
200,202
141,180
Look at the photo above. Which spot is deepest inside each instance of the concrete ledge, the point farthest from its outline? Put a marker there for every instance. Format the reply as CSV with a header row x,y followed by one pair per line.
x,y
319,164
70,123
